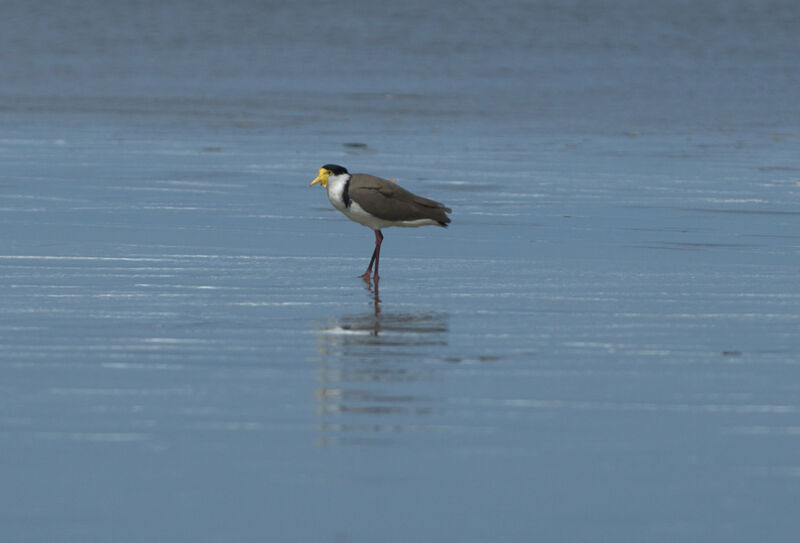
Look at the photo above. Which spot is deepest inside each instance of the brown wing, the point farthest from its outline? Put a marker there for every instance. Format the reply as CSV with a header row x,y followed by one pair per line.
x,y
392,202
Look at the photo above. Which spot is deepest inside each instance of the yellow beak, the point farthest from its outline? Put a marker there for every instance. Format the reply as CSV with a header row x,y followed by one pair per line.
x,y
321,178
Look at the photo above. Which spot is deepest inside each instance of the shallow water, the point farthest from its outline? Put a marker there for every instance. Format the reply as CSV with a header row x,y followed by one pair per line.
x,y
602,346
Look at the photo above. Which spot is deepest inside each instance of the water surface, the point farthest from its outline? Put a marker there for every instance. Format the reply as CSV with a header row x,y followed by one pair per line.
x,y
602,346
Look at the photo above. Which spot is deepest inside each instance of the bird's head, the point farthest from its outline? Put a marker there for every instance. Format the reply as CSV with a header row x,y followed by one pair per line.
x,y
326,171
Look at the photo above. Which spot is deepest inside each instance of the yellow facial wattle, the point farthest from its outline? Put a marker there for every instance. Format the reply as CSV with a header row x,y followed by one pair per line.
x,y
322,177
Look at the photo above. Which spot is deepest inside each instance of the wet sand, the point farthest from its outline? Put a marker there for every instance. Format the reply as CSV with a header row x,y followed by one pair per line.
x,y
603,344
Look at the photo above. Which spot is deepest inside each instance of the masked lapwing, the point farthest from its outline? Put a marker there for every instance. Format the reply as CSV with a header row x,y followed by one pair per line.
x,y
378,203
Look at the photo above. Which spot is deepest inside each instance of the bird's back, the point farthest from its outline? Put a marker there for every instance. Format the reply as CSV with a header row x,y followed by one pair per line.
x,y
391,202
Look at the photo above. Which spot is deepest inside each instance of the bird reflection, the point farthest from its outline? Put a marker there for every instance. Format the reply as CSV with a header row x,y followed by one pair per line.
x,y
376,303
372,371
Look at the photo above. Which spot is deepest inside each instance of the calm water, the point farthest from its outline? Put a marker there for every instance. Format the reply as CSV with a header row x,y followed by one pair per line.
x,y
602,347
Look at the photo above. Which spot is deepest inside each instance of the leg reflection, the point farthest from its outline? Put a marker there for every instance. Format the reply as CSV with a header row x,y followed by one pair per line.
x,y
372,375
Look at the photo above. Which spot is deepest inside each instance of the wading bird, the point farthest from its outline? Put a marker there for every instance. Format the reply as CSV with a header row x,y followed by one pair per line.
x,y
378,203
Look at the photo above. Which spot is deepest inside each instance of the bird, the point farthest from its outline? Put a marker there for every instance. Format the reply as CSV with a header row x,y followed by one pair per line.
x,y
378,203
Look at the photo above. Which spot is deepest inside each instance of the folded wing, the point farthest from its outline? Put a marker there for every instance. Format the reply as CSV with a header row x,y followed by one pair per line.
x,y
391,202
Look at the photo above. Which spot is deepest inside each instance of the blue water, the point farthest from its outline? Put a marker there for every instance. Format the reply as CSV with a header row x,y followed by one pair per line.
x,y
603,346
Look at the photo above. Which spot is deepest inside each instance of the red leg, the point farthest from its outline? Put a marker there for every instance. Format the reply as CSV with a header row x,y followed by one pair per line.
x,y
366,274
376,256
378,241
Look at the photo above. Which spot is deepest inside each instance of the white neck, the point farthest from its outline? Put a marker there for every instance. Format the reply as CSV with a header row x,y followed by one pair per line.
x,y
336,184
